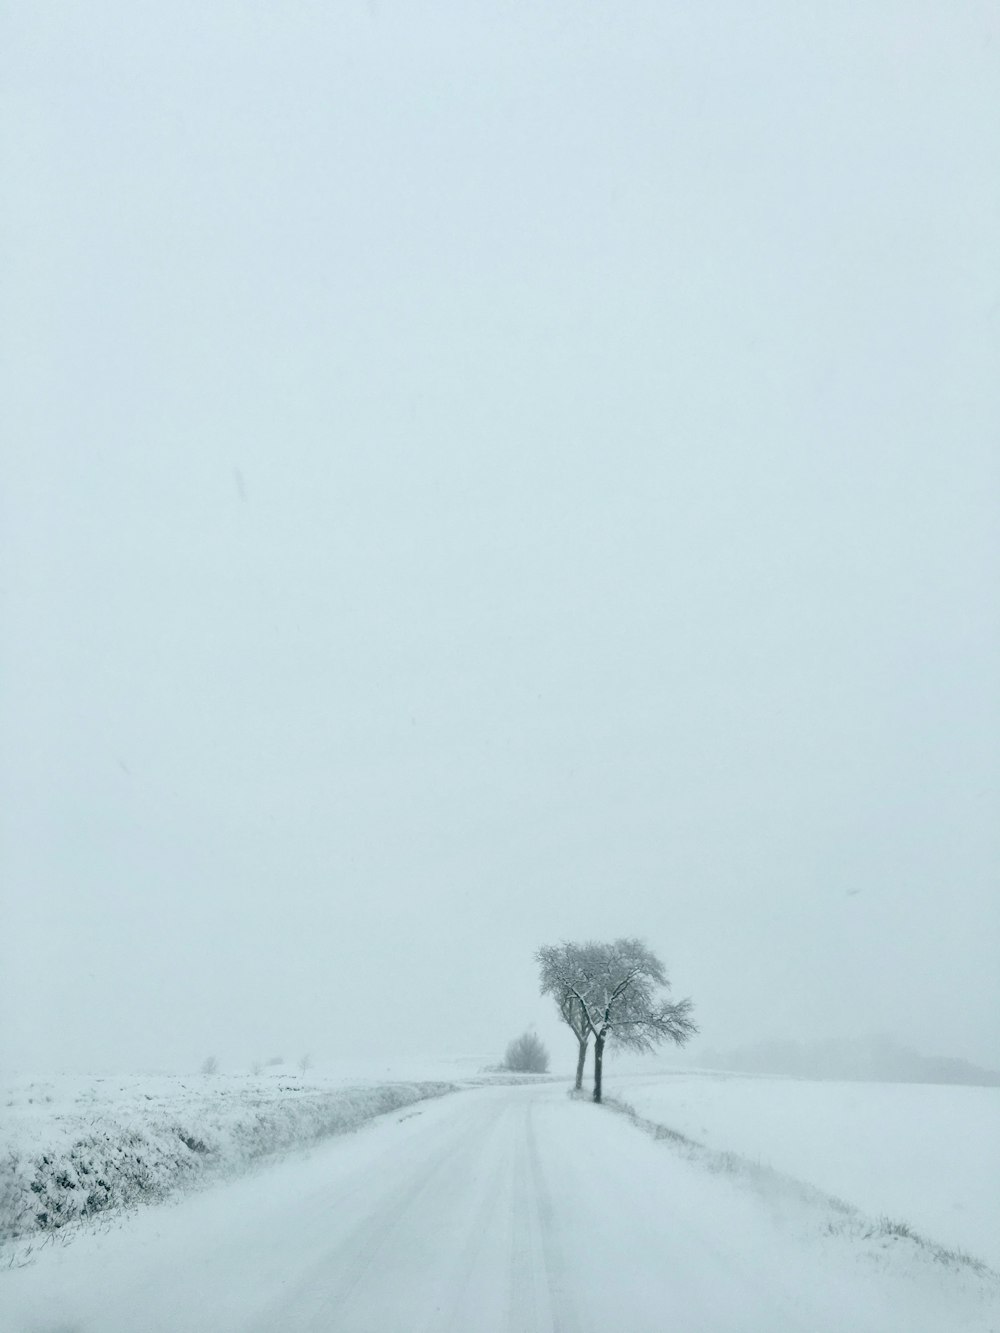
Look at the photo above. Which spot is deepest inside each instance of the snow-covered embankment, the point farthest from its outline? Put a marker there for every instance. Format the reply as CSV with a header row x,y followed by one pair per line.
x,y
76,1148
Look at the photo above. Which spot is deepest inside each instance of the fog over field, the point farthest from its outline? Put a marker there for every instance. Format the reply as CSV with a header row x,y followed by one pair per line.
x,y
476,478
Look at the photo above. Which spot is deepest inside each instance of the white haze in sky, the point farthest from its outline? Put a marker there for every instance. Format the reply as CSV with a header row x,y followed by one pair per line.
x,y
475,477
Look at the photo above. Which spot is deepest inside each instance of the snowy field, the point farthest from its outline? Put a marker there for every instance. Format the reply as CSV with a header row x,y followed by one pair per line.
x,y
921,1154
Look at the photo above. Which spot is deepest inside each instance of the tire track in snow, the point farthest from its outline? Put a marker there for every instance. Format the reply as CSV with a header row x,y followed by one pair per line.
x,y
529,1298
327,1293
479,1248
565,1317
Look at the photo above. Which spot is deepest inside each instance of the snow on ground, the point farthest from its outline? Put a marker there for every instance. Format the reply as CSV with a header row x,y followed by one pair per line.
x,y
922,1154
73,1146
501,1210
507,1208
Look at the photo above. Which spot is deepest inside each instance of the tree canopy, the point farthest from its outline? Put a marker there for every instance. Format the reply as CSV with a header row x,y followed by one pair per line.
x,y
614,991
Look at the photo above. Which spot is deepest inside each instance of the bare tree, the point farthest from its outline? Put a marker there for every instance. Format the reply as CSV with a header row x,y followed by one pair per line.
x,y
210,1065
305,1062
557,965
527,1055
621,990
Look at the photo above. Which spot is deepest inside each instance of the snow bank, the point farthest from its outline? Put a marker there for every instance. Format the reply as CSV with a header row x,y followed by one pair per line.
x,y
910,1155
74,1148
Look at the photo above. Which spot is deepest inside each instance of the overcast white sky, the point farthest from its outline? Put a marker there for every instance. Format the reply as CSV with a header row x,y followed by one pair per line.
x,y
476,477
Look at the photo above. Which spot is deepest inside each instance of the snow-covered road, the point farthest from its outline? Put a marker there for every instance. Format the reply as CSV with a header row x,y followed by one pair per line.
x,y
511,1208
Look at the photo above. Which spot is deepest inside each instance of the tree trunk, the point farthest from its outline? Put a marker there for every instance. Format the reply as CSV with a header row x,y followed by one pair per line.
x,y
581,1060
598,1061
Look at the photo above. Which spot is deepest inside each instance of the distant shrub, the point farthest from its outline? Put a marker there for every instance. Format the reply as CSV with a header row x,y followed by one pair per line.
x,y
526,1055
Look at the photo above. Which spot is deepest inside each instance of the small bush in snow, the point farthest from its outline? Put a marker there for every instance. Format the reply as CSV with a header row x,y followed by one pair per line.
x,y
526,1055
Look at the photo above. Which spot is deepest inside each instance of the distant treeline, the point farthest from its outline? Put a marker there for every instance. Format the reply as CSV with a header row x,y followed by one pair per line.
x,y
880,1060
